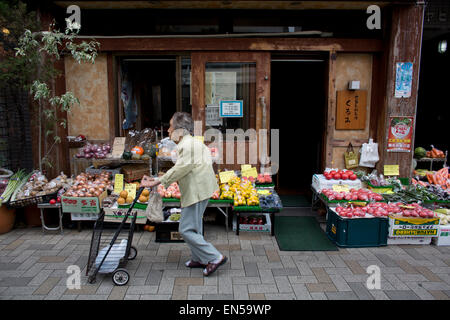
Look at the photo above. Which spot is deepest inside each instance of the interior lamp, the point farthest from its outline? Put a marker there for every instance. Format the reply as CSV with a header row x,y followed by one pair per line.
x,y
442,47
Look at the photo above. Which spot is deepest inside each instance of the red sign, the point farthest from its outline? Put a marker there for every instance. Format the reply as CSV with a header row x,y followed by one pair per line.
x,y
400,134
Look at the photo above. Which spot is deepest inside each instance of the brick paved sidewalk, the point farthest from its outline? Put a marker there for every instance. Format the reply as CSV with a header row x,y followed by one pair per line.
x,y
33,266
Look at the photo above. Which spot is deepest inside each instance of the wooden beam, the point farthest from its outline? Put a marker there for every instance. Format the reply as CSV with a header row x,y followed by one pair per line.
x,y
111,95
331,110
139,44
405,46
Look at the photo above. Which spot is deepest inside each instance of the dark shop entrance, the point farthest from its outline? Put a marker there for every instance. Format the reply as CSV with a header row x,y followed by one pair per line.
x,y
298,104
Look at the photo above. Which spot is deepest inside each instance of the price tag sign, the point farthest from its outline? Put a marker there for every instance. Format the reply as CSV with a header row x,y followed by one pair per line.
x,y
118,183
391,170
131,189
341,187
225,176
245,167
250,173
118,147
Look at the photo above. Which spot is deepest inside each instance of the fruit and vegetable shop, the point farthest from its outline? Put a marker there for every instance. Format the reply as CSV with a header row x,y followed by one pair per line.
x,y
309,109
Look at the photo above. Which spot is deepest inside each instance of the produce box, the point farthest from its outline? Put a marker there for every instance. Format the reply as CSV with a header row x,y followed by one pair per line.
x,y
83,204
408,240
443,238
168,232
319,182
366,231
115,214
400,226
267,227
132,172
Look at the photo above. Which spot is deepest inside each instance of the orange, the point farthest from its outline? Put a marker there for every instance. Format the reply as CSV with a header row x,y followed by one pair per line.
x,y
145,193
146,228
151,228
129,199
137,150
121,201
124,194
143,199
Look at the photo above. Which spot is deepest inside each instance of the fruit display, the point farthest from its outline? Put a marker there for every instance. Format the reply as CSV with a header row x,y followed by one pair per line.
x,y
241,191
94,151
444,215
336,174
216,195
376,180
440,177
381,209
173,191
352,195
420,153
175,217
270,201
253,219
264,178
90,185
38,185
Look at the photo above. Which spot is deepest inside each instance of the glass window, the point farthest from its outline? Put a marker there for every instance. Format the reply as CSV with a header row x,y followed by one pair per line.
x,y
233,84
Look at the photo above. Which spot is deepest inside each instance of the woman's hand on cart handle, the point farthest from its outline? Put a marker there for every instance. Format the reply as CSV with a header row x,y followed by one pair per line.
x,y
148,182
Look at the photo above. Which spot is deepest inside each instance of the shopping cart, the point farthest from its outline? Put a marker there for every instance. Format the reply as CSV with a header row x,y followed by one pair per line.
x,y
116,249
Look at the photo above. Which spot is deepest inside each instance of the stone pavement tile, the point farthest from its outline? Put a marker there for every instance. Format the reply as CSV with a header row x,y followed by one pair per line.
x,y
139,290
285,272
23,256
405,266
15,281
179,292
93,297
9,266
266,277
287,262
304,268
256,296
51,259
152,297
247,280
56,293
386,260
47,285
338,271
420,291
411,277
361,291
249,236
134,281
166,285
439,295
391,270
222,297
225,286
337,261
321,287
14,245
89,289
302,279
301,291
251,269
236,262
176,273
202,290
321,275
402,295
240,292
188,281
395,282
344,295
16,291
262,288
280,296
68,297
272,256
258,250
154,277
319,296
355,267
195,297
283,284
437,270
434,285
379,295
262,259
340,283
132,297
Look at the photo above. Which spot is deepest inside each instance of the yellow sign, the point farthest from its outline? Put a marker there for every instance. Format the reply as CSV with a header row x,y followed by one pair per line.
x,y
264,192
118,183
391,170
245,167
250,173
131,189
225,176
341,187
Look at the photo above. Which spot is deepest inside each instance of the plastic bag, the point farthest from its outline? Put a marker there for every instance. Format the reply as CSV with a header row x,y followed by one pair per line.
x,y
112,260
167,149
369,154
154,210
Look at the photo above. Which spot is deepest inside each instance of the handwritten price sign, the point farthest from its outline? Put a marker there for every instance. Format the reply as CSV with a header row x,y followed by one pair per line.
x,y
80,205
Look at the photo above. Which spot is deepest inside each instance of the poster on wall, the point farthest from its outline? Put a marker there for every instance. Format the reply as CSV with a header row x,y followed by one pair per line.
x,y
400,134
403,79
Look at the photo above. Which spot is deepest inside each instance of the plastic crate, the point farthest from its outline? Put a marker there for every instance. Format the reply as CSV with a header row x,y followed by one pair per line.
x,y
357,232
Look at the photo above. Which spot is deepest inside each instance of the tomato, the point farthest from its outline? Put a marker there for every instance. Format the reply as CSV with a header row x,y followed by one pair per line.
x,y
53,201
332,172
353,177
348,197
337,176
349,172
344,176
328,176
58,199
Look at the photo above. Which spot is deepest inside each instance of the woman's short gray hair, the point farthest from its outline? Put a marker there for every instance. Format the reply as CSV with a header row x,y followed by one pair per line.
x,y
183,120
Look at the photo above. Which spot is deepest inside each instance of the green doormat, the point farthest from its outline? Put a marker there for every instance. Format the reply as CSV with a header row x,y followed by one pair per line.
x,y
301,234
295,201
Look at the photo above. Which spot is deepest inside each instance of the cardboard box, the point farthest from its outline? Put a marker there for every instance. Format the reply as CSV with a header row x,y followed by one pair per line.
x,y
83,205
319,182
408,240
115,214
254,227
132,172
443,238
400,226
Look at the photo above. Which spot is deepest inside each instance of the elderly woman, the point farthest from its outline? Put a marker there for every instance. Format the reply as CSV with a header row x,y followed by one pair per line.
x,y
194,173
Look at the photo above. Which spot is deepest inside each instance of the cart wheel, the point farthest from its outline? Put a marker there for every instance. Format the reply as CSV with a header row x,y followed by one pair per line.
x,y
132,254
120,277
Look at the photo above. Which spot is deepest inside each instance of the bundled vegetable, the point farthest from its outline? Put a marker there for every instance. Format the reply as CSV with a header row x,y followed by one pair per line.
x,y
411,194
38,185
444,215
94,151
14,182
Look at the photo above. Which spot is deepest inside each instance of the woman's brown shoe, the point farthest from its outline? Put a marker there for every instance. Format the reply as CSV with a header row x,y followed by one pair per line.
x,y
211,267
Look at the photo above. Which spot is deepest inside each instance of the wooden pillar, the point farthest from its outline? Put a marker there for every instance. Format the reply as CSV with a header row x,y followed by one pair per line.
x,y
331,112
404,46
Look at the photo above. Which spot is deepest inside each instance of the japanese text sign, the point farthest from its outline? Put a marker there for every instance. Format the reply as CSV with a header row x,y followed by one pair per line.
x,y
400,134
351,109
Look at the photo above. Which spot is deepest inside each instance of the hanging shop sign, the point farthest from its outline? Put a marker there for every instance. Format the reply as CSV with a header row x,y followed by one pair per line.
x,y
231,108
403,79
400,134
351,110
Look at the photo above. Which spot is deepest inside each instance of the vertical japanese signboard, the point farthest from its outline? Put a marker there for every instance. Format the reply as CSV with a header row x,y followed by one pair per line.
x,y
400,134
351,110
